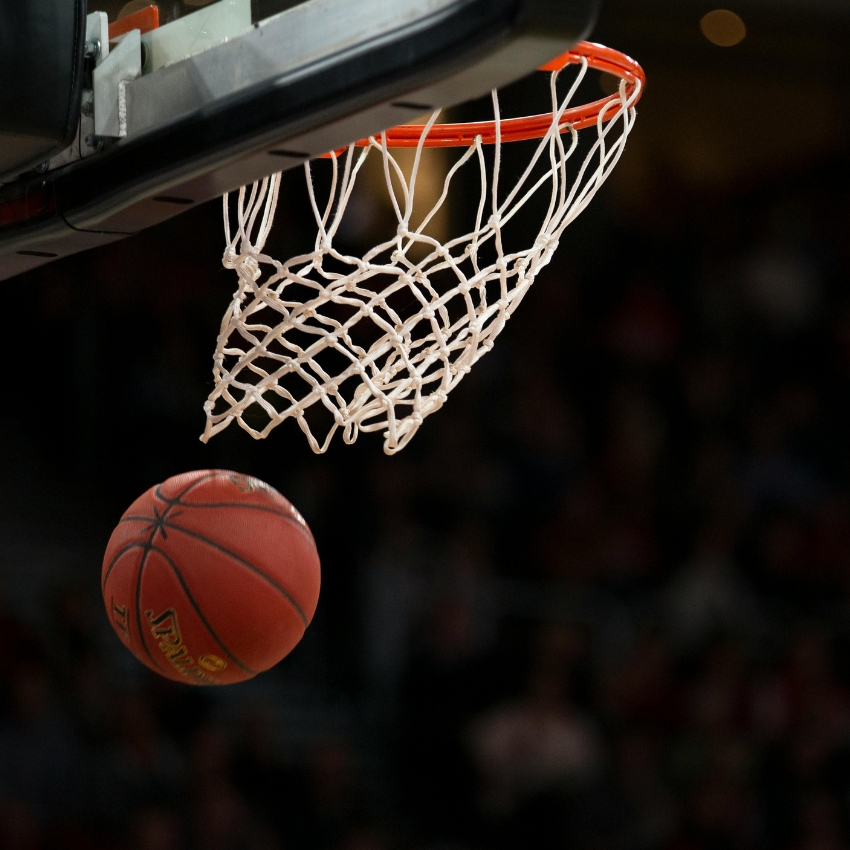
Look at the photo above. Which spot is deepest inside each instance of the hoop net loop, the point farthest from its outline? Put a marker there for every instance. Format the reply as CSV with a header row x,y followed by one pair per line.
x,y
377,342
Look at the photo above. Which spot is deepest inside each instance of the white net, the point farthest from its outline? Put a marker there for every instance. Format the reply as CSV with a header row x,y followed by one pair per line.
x,y
379,341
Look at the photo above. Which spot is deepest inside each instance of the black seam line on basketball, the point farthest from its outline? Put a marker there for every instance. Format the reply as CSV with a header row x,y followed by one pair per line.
x,y
302,526
200,613
154,661
150,519
142,635
172,502
208,477
134,545
247,506
245,563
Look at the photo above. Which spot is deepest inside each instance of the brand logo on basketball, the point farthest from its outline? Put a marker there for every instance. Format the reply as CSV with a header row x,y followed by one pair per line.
x,y
166,630
247,484
212,663
119,617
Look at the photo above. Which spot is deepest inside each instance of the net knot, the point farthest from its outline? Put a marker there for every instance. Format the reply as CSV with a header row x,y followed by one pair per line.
x,y
495,220
252,267
230,259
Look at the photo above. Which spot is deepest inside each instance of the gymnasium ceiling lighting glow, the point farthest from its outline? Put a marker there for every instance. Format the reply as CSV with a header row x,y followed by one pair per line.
x,y
723,28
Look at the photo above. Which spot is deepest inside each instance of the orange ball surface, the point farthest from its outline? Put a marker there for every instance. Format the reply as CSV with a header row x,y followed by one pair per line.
x,y
211,577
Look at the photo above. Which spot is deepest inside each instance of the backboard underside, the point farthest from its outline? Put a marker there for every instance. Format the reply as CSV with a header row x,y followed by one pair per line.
x,y
252,97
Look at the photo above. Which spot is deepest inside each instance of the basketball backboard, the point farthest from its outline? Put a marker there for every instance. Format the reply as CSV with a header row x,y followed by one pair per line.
x,y
212,96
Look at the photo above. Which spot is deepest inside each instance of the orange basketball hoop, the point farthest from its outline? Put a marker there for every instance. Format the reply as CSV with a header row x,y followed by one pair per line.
x,y
596,56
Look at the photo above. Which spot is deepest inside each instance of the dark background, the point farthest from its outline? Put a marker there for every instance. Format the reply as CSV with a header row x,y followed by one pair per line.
x,y
601,600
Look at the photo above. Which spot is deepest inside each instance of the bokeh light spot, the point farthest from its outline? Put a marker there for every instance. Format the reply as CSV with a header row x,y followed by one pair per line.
x,y
723,28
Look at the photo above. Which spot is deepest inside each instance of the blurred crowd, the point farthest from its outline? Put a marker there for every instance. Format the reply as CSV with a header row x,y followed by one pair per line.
x,y
601,601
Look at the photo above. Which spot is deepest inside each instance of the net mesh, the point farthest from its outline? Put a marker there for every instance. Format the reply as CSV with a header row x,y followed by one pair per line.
x,y
379,341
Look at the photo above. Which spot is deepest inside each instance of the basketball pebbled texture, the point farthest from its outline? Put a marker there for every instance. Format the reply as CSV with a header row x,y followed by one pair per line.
x,y
211,577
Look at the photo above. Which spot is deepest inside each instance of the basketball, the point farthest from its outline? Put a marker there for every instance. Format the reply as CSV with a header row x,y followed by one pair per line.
x,y
211,577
